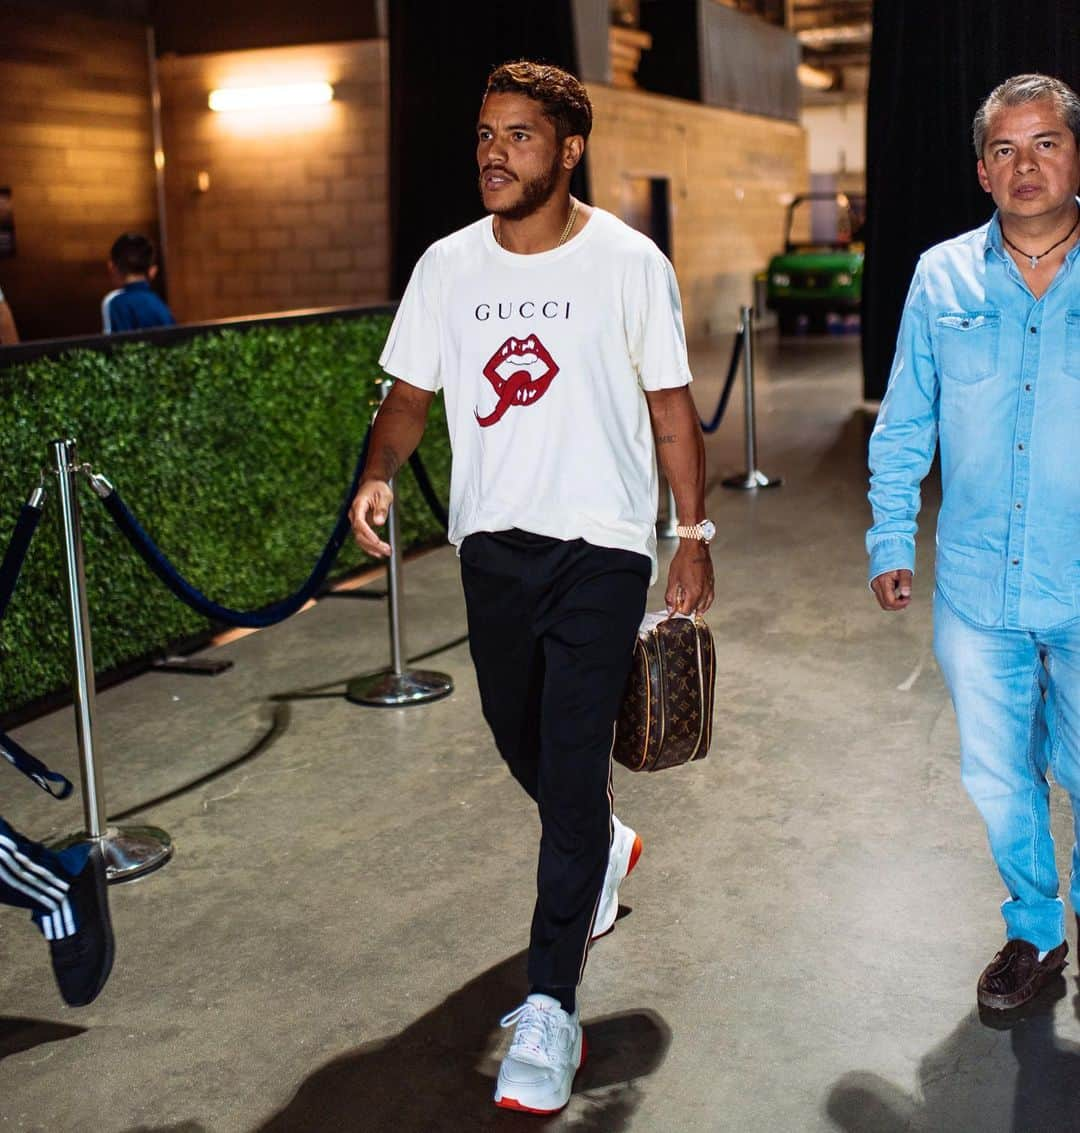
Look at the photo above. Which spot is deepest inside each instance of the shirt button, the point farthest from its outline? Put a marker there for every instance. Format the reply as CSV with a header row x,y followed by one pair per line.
x,y
1019,507
1028,387
1034,330
1020,447
1016,562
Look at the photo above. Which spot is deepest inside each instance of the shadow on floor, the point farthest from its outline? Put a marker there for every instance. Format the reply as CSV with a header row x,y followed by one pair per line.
x,y
18,1034
182,1127
335,689
439,1073
280,716
849,447
967,1083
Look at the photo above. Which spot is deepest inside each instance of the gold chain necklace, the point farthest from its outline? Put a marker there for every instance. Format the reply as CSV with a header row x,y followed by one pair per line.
x,y
565,232
1034,260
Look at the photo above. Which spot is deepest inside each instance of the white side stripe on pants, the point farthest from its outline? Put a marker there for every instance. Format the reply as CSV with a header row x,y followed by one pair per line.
x,y
59,924
27,877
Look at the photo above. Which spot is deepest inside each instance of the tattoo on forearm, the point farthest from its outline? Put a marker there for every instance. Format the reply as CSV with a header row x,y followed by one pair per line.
x,y
666,439
392,409
388,464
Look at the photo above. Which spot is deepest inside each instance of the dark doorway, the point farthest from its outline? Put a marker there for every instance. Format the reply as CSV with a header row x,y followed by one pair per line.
x,y
646,206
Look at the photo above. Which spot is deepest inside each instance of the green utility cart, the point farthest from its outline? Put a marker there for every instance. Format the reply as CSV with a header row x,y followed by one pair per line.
x,y
820,270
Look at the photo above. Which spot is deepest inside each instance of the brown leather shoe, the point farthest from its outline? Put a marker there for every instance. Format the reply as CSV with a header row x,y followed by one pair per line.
x,y
1016,975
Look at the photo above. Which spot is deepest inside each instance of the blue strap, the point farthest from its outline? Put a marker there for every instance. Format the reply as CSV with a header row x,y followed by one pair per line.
x,y
267,615
15,555
729,382
34,769
427,490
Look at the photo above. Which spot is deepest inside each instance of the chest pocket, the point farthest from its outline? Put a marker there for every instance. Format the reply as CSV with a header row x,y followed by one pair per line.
x,y
1072,344
968,345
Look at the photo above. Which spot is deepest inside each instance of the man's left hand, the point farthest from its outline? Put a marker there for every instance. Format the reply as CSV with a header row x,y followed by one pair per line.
x,y
690,579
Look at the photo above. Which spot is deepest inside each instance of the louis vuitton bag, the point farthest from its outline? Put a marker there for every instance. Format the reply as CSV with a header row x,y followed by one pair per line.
x,y
666,713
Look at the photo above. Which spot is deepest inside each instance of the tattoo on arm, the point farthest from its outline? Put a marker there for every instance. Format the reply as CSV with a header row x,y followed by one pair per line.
x,y
666,439
388,463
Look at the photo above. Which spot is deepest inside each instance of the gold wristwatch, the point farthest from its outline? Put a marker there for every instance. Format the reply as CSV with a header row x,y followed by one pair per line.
x,y
703,532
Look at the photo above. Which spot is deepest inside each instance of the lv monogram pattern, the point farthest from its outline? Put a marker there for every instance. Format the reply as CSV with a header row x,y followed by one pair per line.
x,y
666,714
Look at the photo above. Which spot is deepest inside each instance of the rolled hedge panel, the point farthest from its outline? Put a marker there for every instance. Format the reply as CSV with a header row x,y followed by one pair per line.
x,y
234,448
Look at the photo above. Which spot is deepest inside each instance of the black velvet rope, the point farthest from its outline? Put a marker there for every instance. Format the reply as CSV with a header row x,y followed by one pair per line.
x,y
14,557
34,769
427,490
264,616
729,383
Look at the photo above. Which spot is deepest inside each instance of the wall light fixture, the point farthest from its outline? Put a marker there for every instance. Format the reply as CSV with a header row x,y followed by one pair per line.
x,y
271,97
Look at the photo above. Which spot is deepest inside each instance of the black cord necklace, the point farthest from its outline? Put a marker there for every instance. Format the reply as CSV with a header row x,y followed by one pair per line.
x,y
1034,260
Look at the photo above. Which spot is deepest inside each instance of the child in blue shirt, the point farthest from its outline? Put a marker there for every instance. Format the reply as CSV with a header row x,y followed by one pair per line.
x,y
133,305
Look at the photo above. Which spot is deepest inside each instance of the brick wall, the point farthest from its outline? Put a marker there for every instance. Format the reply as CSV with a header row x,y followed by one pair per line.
x,y
731,177
76,150
296,209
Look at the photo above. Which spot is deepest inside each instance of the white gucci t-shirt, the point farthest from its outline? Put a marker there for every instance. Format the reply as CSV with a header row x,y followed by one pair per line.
x,y
544,359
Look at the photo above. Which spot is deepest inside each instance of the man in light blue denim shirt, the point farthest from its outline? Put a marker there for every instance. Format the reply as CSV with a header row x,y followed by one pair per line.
x,y
988,366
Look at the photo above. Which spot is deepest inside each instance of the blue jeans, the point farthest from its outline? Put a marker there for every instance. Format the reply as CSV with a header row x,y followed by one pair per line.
x,y
1017,701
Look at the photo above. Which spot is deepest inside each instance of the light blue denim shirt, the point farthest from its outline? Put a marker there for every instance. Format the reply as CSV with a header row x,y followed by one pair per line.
x,y
993,375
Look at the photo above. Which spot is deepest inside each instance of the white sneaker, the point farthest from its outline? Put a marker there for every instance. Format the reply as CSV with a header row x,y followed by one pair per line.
x,y
547,1050
625,851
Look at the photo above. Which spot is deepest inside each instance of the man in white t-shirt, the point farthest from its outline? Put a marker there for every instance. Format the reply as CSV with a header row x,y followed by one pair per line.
x,y
8,334
555,332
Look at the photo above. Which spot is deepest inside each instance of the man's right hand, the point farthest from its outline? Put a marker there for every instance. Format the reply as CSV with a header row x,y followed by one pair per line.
x,y
893,589
370,506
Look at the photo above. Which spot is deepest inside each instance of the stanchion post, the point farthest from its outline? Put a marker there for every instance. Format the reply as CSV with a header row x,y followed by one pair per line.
x,y
753,477
393,582
400,686
129,851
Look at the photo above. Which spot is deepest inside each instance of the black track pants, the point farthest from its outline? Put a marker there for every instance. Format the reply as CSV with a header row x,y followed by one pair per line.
x,y
551,630
33,877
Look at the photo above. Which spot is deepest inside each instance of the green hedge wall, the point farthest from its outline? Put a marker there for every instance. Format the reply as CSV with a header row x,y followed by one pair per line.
x,y
234,450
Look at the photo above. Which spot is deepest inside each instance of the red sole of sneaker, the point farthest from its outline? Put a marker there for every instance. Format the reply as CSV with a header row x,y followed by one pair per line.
x,y
513,1103
635,853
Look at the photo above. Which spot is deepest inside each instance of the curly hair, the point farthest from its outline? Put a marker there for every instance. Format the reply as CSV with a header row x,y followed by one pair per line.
x,y
562,97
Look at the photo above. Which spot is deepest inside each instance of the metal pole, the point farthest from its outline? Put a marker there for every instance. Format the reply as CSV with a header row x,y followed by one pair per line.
x,y
132,850
665,529
79,619
753,477
393,580
750,425
398,687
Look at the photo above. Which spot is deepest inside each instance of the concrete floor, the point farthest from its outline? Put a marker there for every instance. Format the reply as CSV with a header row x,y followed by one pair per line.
x,y
344,919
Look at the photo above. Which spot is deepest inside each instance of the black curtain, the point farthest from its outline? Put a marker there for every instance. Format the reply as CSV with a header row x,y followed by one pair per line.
x,y
932,63
440,57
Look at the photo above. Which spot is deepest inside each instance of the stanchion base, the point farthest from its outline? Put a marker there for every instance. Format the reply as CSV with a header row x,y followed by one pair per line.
x,y
393,690
129,851
748,481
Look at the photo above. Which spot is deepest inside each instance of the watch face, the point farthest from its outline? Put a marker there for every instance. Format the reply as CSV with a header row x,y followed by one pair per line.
x,y
708,530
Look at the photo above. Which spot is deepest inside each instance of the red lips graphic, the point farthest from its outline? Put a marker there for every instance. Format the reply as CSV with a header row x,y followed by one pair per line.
x,y
520,372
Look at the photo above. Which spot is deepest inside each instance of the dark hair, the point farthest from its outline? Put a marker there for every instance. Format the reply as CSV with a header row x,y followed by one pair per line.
x,y
1018,91
132,254
563,98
